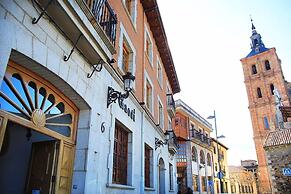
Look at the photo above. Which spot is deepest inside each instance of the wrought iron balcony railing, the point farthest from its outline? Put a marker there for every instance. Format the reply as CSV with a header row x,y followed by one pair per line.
x,y
200,136
105,16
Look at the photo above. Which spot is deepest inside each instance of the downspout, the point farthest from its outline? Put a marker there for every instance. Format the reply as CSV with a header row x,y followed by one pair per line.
x,y
142,186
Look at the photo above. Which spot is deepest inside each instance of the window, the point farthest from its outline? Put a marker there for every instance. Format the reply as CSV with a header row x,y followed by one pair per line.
x,y
127,53
160,73
181,153
120,155
149,95
130,7
202,157
194,154
126,57
259,93
254,69
171,178
203,183
266,123
208,159
216,167
195,183
148,47
267,65
161,115
148,166
272,88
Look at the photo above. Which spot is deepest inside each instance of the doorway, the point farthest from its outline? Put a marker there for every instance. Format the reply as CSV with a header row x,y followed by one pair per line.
x,y
28,161
161,176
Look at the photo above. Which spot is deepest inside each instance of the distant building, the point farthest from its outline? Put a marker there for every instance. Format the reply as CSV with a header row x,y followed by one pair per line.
x,y
263,73
224,183
251,166
241,180
194,156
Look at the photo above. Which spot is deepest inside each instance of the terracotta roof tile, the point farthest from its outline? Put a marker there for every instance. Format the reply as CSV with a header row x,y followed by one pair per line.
x,y
278,137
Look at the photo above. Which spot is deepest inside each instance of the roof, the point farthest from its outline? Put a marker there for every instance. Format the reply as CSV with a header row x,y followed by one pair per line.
x,y
152,12
254,52
194,114
278,137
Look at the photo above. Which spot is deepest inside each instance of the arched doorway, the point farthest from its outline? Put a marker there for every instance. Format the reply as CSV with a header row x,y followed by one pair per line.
x,y
37,134
161,176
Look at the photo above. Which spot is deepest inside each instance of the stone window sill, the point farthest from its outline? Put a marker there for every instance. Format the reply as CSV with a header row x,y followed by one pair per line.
x,y
149,189
118,186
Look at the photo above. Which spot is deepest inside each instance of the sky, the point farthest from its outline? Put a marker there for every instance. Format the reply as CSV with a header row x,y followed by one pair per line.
x,y
207,39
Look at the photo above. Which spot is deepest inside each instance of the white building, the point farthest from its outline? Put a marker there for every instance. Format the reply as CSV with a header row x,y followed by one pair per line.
x,y
55,121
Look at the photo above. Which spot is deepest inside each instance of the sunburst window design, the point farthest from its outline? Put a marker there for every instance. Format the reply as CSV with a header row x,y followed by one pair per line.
x,y
31,99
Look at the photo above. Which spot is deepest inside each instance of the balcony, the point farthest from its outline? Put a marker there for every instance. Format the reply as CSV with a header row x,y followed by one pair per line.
x,y
105,17
201,137
89,25
171,105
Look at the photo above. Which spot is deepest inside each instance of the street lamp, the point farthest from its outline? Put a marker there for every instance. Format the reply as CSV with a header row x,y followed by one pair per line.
x,y
219,174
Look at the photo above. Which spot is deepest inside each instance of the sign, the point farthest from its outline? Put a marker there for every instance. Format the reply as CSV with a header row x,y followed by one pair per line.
x,y
220,175
286,171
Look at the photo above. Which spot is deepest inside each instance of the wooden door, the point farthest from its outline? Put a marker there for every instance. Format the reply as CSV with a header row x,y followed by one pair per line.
x,y
41,175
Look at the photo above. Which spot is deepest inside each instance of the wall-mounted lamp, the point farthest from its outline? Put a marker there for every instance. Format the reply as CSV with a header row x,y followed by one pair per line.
x,y
113,95
159,142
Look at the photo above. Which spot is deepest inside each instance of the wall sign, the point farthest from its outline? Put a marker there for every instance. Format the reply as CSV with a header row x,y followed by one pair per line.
x,y
127,110
286,171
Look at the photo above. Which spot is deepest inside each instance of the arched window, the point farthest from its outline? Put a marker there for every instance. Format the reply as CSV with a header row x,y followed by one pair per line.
x,y
272,88
194,154
208,159
254,69
259,93
267,65
202,157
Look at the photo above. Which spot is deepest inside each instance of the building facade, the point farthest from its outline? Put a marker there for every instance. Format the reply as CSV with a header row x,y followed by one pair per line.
x,y
241,180
251,166
195,154
220,164
64,99
263,73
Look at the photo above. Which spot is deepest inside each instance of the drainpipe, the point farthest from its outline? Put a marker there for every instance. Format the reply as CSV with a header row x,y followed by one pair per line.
x,y
142,186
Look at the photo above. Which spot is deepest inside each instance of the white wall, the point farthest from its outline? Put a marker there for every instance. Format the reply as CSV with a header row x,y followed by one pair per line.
x,y
41,47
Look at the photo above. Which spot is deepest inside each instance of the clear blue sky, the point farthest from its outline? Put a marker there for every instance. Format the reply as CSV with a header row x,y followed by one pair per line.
x,y
207,40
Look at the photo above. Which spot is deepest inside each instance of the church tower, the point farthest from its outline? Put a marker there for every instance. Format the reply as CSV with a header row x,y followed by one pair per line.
x,y
262,74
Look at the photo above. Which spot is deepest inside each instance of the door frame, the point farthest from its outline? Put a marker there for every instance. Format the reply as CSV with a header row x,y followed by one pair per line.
x,y
66,154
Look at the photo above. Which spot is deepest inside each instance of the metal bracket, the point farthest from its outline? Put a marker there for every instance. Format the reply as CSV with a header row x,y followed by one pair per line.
x,y
66,58
96,67
35,20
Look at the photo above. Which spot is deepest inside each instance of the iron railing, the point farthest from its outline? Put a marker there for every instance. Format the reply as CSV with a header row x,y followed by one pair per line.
x,y
200,136
105,16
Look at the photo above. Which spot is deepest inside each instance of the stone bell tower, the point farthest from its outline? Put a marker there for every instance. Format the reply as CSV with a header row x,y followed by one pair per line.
x,y
262,74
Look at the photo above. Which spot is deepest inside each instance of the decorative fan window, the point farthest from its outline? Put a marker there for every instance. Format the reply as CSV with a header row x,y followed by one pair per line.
x,y
26,97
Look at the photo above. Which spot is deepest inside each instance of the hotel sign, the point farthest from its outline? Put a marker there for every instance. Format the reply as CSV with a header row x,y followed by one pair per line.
x,y
286,171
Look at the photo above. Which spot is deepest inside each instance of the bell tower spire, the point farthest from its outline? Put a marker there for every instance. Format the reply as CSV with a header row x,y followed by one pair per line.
x,y
257,44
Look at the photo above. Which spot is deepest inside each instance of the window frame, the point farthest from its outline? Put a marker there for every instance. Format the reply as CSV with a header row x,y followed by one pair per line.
x,y
159,73
148,167
129,159
132,13
161,115
151,51
147,80
124,38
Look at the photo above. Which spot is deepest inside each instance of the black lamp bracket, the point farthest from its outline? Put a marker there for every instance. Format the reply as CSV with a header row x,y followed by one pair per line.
x,y
113,95
98,66
159,143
